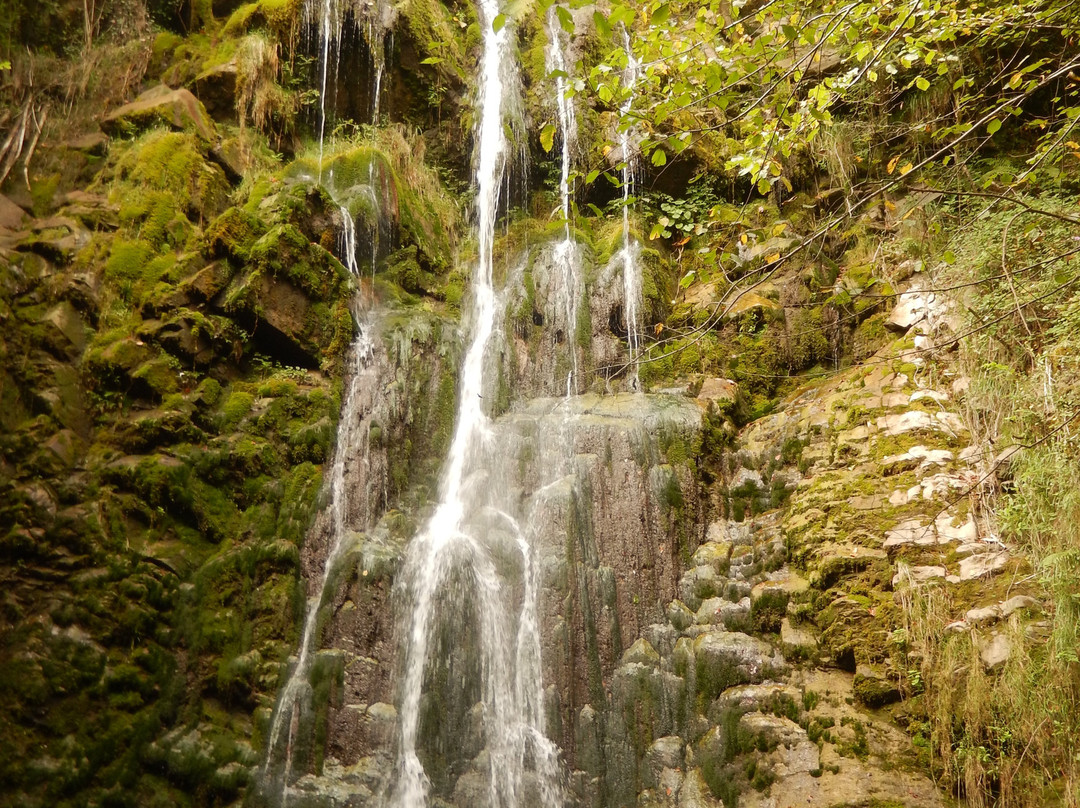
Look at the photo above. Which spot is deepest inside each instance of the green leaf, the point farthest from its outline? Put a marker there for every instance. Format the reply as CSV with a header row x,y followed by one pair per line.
x,y
659,158
601,23
599,214
660,16
590,178
547,137
922,84
993,126
949,257
621,15
433,60
566,19
498,23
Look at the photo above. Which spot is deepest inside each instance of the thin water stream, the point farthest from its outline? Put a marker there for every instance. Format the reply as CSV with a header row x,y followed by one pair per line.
x,y
567,257
631,257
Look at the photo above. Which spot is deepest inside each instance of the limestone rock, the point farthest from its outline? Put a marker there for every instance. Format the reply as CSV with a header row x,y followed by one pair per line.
x,y
796,642
977,566
749,698
773,728
642,653
919,575
679,616
713,554
729,658
717,390
995,651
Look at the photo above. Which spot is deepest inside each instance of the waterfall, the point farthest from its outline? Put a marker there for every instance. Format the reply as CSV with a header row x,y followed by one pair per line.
x,y
328,19
471,535
566,253
631,256
351,447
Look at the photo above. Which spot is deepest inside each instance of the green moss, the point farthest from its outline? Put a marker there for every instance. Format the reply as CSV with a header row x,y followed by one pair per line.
x,y
235,408
127,260
173,162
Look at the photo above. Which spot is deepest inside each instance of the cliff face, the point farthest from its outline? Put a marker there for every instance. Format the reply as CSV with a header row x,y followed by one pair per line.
x,y
759,523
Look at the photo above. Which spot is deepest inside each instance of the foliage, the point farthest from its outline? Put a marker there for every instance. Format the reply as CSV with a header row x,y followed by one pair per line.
x,y
776,76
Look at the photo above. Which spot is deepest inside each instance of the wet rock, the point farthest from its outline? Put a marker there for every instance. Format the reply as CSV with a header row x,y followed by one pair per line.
x,y
159,106
65,330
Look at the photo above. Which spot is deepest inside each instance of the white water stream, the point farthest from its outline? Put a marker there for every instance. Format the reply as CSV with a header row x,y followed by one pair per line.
x,y
631,256
566,255
328,19
467,534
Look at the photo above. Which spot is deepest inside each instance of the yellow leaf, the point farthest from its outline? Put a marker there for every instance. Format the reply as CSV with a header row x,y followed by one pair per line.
x,y
607,149
779,228
889,206
770,258
1072,144
892,165
742,238
904,169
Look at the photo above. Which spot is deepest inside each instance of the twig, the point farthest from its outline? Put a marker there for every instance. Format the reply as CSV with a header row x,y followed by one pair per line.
x,y
33,144
16,146
1008,277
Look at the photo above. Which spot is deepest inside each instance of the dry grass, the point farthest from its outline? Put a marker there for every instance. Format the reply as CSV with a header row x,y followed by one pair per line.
x,y
1010,738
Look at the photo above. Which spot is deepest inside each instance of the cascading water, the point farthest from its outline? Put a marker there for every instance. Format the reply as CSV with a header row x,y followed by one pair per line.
x,y
566,253
329,19
351,448
472,537
631,251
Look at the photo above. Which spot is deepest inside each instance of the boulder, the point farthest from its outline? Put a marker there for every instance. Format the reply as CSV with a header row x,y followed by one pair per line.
x,y
216,89
717,390
977,566
11,215
159,106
